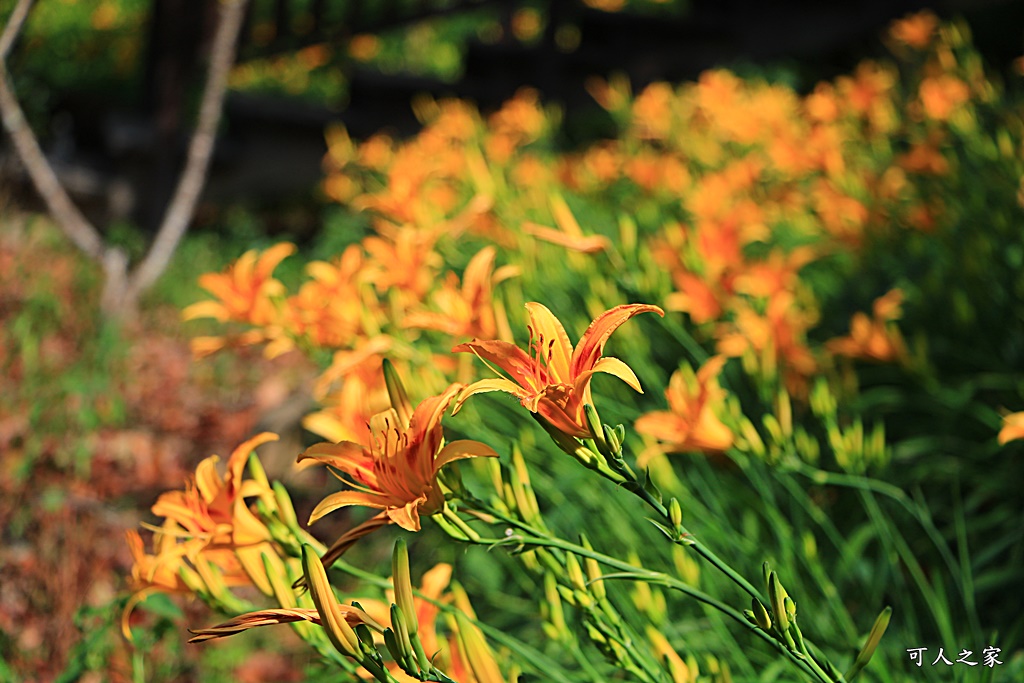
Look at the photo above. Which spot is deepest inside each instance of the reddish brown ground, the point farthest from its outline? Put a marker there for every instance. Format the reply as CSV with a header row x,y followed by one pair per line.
x,y
71,485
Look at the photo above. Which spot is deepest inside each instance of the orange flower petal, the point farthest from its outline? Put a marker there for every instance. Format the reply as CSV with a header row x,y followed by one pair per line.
x,y
592,343
459,450
612,366
342,499
493,384
506,356
548,332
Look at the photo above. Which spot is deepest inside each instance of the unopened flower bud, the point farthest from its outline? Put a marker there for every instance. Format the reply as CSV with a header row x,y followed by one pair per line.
x,y
761,618
338,630
777,594
403,585
675,513
396,393
572,566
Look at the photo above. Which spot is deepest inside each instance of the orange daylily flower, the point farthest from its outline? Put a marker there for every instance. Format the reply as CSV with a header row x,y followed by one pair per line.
x,y
915,30
555,381
469,310
776,338
397,473
208,533
691,424
942,95
924,158
1013,428
244,290
211,512
403,259
874,339
347,408
331,308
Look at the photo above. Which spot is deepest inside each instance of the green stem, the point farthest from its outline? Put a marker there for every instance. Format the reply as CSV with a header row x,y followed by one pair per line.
x,y
635,487
534,658
627,570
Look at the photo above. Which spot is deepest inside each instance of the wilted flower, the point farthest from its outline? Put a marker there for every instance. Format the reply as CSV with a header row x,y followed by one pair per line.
x,y
555,381
338,620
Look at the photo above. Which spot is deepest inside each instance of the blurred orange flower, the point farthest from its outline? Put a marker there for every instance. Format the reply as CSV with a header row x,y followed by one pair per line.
x,y
691,424
1013,428
915,30
469,310
942,95
244,290
555,381
776,338
330,310
208,533
212,511
874,339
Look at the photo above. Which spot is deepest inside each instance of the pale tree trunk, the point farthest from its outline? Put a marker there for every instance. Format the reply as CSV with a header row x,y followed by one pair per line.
x,y
122,287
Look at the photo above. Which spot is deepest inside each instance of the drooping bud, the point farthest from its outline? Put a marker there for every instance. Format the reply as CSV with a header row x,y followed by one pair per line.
x,y
338,630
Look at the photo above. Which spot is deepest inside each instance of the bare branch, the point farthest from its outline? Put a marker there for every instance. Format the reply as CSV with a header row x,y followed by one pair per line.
x,y
63,210
13,27
200,151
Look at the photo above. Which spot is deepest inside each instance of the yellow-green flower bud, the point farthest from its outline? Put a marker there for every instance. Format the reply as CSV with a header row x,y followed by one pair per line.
x,y
285,509
396,392
408,654
675,513
403,585
575,573
595,427
761,618
777,594
866,652
280,585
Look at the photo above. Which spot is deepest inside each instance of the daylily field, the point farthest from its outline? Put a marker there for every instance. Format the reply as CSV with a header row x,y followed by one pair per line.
x,y
737,395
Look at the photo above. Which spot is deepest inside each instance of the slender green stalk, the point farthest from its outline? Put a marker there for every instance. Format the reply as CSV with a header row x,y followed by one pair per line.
x,y
533,537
